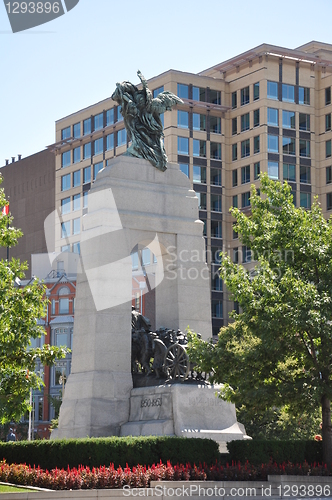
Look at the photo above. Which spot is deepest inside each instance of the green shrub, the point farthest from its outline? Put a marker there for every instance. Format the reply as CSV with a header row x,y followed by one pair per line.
x,y
95,452
262,451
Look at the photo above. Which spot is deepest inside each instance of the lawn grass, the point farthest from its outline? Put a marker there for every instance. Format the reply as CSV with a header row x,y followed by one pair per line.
x,y
12,489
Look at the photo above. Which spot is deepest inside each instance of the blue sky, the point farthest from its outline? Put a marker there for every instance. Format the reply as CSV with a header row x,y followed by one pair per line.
x,y
74,61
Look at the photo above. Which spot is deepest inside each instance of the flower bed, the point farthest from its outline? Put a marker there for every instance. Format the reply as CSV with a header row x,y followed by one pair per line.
x,y
141,476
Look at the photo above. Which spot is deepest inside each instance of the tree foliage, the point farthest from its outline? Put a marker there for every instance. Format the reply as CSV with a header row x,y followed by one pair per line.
x,y
20,309
279,350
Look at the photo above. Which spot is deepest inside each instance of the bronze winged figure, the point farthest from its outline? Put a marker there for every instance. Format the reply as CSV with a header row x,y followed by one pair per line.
x,y
141,114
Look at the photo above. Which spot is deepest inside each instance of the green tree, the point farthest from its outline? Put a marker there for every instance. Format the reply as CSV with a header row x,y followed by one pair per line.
x,y
279,350
20,308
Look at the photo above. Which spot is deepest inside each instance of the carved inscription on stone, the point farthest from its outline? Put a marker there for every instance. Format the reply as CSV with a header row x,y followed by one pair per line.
x,y
201,401
147,403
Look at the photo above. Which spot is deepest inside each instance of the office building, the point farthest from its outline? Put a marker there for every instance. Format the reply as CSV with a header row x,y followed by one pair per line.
x,y
266,110
29,185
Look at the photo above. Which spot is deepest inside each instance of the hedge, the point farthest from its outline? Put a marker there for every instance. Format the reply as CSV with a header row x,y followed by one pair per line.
x,y
263,451
95,452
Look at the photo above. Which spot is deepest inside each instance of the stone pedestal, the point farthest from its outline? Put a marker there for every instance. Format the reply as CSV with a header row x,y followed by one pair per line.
x,y
132,205
186,410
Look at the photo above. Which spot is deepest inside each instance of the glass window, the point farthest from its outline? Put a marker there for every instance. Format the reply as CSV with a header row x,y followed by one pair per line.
x,y
245,148
76,202
98,146
234,178
77,178
244,122
199,174
327,122
245,199
65,206
146,257
216,229
64,309
99,121
215,96
246,254
244,96
215,255
256,144
77,248
199,148
183,119
304,148
215,174
65,229
183,146
304,121
65,133
273,143
305,174
97,167
85,199
65,159
288,92
158,91
109,142
257,170
61,338
65,182
215,150
110,116
87,126
235,201
199,122
234,152
217,308
76,226
77,130
272,117
272,90
199,94
256,91
305,200
327,96
215,203
304,95
256,118
289,172
328,175
184,167
245,174
122,137
201,200
86,175
183,91
288,145
288,119
273,169
87,151
235,255
77,154
216,282
215,124
234,100
328,148
234,126
329,201
64,248
119,116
